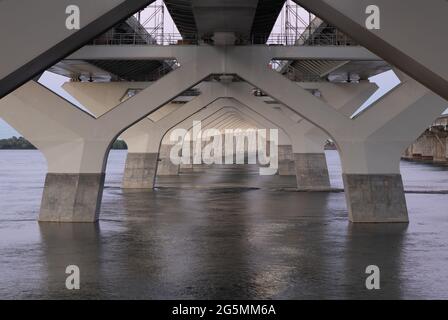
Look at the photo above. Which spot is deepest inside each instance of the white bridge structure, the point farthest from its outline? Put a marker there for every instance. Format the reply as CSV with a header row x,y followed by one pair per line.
x,y
225,71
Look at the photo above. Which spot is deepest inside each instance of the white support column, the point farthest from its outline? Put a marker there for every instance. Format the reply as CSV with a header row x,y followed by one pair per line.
x,y
141,164
308,161
229,113
143,156
75,157
218,112
147,156
370,150
75,144
371,158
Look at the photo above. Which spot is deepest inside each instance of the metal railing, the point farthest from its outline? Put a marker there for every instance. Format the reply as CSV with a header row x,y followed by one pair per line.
x,y
295,75
290,72
144,39
326,36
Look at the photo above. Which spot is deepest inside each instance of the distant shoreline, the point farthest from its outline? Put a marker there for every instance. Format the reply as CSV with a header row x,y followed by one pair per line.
x,y
20,143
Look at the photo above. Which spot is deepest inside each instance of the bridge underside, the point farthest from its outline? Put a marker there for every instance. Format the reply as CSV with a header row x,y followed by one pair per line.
x,y
224,74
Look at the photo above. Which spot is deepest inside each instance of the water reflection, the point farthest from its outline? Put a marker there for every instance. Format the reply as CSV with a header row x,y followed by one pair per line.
x,y
71,244
214,234
374,244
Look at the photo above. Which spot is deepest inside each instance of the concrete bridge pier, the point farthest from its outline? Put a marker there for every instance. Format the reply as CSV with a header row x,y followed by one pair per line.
x,y
72,197
371,158
286,162
310,160
76,143
142,158
370,143
311,171
166,167
75,154
307,160
140,170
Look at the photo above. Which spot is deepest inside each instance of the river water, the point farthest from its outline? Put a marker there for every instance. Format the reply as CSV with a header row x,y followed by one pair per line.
x,y
221,233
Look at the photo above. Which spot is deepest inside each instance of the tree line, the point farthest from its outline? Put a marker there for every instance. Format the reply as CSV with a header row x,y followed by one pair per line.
x,y
20,143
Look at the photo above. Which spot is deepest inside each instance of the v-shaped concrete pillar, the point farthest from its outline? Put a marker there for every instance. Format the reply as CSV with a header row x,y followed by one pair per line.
x,y
74,183
76,144
309,164
370,145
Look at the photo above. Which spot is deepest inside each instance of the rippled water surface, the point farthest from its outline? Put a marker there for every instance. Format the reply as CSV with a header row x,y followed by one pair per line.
x,y
223,233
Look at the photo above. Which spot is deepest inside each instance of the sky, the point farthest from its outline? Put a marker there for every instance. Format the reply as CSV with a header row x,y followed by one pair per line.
x,y
385,81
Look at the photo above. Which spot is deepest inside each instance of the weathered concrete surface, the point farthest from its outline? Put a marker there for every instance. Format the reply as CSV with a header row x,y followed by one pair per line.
x,y
311,171
286,165
375,198
72,197
140,170
166,167
185,168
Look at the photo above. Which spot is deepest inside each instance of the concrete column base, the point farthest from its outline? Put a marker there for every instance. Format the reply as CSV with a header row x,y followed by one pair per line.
x,y
286,165
185,168
375,198
311,171
166,167
72,197
140,170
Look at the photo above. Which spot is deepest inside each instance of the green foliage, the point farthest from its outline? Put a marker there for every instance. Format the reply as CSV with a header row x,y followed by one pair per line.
x,y
15,143
119,145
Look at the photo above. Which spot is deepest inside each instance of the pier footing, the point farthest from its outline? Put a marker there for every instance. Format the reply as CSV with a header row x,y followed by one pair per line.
x,y
286,165
140,170
311,171
72,197
375,198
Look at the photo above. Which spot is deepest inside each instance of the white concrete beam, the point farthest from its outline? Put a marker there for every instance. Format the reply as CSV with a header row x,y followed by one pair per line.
x,y
410,35
34,33
185,53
